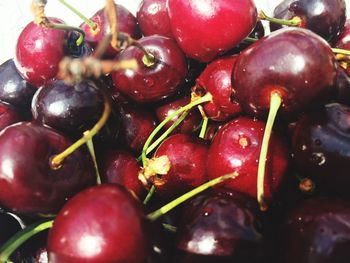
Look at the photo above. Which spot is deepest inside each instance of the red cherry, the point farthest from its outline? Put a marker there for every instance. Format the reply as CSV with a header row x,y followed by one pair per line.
x,y
205,28
39,51
236,147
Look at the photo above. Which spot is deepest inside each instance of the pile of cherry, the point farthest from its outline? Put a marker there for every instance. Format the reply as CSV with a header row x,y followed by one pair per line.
x,y
89,147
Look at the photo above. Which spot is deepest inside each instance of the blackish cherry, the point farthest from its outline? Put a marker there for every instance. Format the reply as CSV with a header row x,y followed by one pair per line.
x,y
210,27
160,72
8,115
13,88
216,80
101,224
236,147
28,181
317,231
324,17
153,18
321,147
39,51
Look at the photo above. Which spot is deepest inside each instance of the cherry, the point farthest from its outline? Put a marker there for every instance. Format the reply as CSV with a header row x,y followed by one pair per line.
x,y
220,227
185,158
216,80
324,17
160,73
320,143
13,88
101,224
343,38
39,51
342,86
200,34
120,167
316,230
137,123
127,23
8,116
153,18
189,125
28,183
74,50
236,147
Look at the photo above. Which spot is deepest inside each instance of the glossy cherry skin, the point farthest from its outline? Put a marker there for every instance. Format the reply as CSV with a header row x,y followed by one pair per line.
x,y
101,224
187,156
8,115
211,27
342,86
153,18
317,231
39,51
343,40
28,183
236,147
324,17
293,59
121,167
189,125
321,147
127,23
220,227
152,83
137,124
216,80
13,88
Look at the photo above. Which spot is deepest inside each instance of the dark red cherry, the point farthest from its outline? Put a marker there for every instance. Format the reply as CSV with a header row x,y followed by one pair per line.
x,y
121,167
324,17
13,88
216,80
153,18
39,51
343,40
101,224
127,23
220,227
189,125
236,147
207,28
321,148
74,50
187,157
342,86
318,231
8,115
293,61
154,81
137,123
29,184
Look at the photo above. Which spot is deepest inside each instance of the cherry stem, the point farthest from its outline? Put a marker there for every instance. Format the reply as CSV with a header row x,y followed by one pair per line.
x,y
57,160
166,208
206,98
88,21
204,122
81,32
295,21
111,12
90,145
20,237
275,103
149,195
341,51
250,39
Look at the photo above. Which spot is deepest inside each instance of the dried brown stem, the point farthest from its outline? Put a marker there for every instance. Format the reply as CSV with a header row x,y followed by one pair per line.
x,y
111,12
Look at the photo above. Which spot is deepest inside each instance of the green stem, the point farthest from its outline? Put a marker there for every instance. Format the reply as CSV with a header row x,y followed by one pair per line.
x,y
204,124
207,97
250,40
20,237
81,32
88,21
90,145
165,209
341,51
295,21
149,195
275,103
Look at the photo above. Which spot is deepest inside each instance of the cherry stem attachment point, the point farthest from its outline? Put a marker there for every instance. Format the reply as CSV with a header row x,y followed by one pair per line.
x,y
204,122
20,237
58,159
275,103
88,21
166,208
295,21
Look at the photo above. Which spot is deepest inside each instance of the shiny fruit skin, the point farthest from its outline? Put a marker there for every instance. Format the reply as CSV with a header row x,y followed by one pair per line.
x,y
290,62
39,51
101,224
236,147
156,82
28,183
206,28
343,40
216,80
8,115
